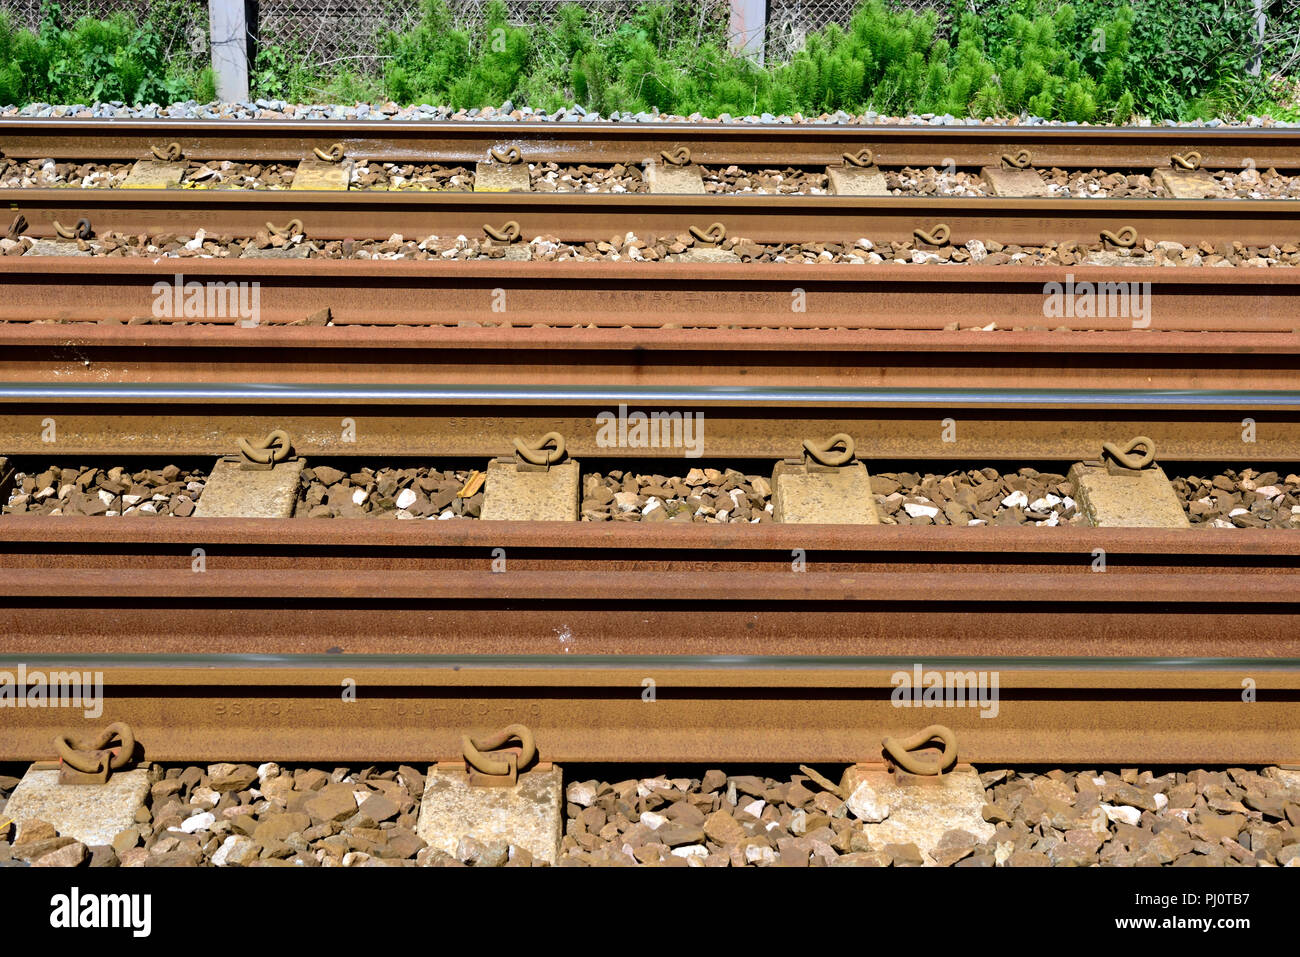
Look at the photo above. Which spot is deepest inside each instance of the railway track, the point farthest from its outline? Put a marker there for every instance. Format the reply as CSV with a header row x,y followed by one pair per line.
x,y
648,296
753,662
740,143
572,217
569,217
450,380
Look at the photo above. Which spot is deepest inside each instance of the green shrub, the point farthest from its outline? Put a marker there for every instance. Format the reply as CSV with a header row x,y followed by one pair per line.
x,y
1091,61
111,59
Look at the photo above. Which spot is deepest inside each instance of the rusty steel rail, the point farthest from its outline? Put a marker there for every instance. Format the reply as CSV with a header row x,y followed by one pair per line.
x,y
605,142
587,217
1110,712
688,295
653,359
731,423
751,660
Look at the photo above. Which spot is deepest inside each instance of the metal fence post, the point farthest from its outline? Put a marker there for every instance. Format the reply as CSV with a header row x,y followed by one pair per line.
x,y
747,32
229,31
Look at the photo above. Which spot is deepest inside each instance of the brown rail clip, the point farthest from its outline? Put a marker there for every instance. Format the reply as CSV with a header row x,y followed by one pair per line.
x,y
80,231
900,751
332,155
262,456
861,159
1122,460
712,236
501,767
938,236
17,227
170,153
1188,161
1125,238
508,233
510,156
834,453
681,156
287,231
539,456
94,761
1020,160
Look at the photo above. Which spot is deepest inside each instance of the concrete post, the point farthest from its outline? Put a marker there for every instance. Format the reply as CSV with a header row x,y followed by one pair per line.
x,y
229,31
747,32
1261,21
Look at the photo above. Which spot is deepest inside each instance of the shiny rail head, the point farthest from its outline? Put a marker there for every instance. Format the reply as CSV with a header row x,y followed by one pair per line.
x,y
722,395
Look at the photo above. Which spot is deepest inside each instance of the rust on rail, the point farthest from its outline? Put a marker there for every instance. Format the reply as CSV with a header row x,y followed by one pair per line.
x,y
741,143
582,217
650,295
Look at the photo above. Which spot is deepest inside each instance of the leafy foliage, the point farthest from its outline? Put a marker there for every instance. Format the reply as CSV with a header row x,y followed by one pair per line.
x,y
95,60
1097,61
1091,61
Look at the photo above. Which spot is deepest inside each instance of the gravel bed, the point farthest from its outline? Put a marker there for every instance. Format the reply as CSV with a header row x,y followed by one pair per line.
x,y
226,174
1199,818
975,497
1238,184
327,492
628,178
1245,499
619,178
46,173
703,495
507,112
737,179
87,490
631,247
240,815
412,176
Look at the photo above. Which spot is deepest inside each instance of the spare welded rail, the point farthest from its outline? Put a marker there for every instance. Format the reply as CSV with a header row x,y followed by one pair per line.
x,y
617,294
726,422
749,657
741,359
588,217
604,142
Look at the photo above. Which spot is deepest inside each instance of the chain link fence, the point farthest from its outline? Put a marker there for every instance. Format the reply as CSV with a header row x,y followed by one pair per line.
x,y
330,32
351,31
790,21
